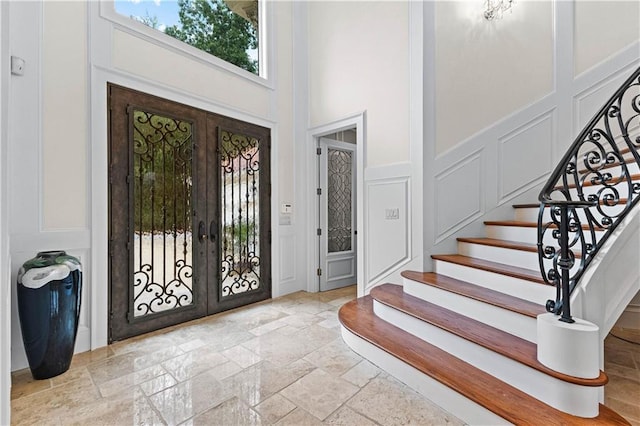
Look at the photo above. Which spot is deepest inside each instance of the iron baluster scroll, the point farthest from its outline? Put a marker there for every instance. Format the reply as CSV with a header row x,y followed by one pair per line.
x,y
240,219
162,193
589,193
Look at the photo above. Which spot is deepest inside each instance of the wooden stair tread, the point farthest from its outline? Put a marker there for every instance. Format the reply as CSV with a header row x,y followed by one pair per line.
x,y
493,242
588,183
486,265
521,224
512,245
534,205
627,160
496,396
496,340
526,206
472,291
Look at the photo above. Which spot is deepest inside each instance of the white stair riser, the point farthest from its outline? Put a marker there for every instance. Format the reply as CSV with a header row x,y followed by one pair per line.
x,y
573,399
535,292
531,214
503,319
522,234
455,403
519,258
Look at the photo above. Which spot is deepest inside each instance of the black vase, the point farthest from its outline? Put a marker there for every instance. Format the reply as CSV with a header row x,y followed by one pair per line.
x,y
49,295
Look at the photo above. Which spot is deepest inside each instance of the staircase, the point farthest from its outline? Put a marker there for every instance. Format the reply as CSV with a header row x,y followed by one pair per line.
x,y
460,336
470,335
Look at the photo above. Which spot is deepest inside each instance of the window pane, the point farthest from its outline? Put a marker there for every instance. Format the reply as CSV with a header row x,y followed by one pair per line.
x,y
227,29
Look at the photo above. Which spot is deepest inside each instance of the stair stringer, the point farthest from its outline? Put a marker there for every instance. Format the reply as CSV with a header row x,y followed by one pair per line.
x,y
612,278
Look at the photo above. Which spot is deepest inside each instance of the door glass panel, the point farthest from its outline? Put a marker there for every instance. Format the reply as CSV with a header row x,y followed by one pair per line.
x,y
162,194
339,200
240,216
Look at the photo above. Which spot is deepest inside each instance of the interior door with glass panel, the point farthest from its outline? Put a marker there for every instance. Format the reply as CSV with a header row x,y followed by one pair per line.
x,y
337,174
172,251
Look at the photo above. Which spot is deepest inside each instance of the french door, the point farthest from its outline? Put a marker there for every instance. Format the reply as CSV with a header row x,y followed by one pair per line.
x,y
189,213
337,215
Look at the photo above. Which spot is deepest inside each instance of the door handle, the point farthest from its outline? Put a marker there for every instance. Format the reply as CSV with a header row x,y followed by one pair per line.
x,y
213,230
202,234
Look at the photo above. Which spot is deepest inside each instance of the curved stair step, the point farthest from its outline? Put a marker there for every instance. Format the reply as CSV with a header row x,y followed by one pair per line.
x,y
521,224
476,292
496,396
491,338
485,265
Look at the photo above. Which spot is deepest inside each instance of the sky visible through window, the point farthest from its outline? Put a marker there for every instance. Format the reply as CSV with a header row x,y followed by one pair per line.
x,y
165,10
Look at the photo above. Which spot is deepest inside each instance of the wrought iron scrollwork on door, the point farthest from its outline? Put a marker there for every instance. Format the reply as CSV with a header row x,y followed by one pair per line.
x,y
161,187
240,219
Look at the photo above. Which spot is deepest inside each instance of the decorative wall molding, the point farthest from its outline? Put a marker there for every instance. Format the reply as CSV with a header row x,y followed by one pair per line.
x,y
517,153
460,195
588,101
525,156
388,240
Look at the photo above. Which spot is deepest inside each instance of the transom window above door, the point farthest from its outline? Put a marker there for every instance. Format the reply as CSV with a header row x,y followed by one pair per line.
x,y
229,30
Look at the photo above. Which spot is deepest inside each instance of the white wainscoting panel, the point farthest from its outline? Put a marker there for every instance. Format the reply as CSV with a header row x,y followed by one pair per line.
x,y
459,195
286,281
387,235
525,155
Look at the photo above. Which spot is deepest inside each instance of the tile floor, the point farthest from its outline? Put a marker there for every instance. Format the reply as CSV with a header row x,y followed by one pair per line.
x,y
277,362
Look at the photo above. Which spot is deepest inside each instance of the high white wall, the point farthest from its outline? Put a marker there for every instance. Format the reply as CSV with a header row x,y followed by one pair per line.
x,y
366,57
603,28
507,102
58,132
359,60
487,70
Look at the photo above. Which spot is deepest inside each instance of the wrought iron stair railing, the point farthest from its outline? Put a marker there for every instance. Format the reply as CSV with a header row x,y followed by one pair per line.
x,y
589,193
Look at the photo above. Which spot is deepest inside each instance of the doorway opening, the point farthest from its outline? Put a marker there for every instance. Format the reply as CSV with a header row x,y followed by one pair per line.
x,y
337,209
189,213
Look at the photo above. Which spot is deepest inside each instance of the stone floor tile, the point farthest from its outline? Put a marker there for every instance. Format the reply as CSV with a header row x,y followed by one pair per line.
x,y
193,363
345,416
260,381
231,412
299,417
48,406
115,386
127,407
158,384
319,393
187,399
23,384
335,358
361,373
242,356
389,402
274,408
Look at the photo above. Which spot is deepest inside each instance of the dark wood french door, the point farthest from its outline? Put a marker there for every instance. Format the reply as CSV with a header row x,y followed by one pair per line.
x,y
189,213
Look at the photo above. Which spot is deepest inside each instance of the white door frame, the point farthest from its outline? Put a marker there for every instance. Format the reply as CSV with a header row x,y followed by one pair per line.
x,y
356,121
5,263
